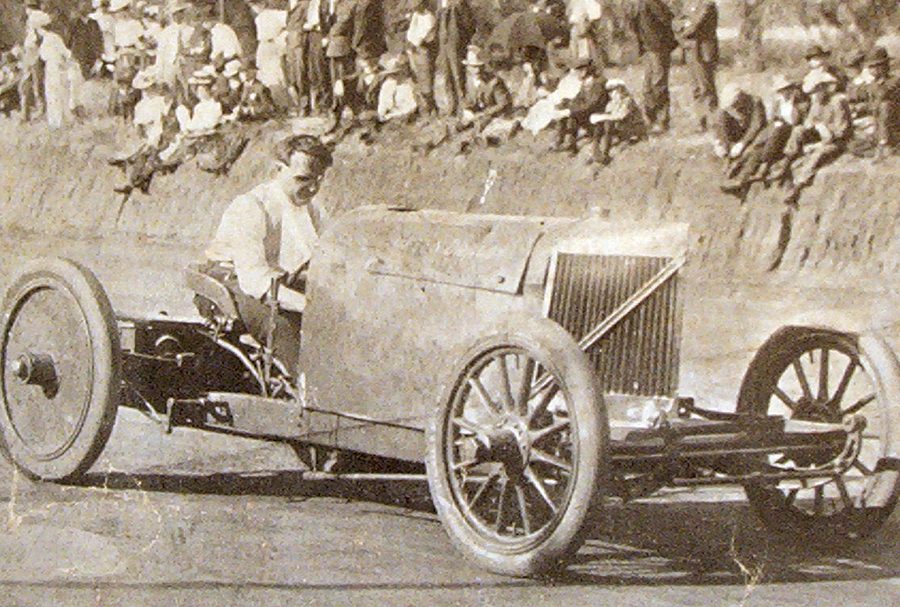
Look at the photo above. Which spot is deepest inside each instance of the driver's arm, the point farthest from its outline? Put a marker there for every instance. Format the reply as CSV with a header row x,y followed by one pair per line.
x,y
242,235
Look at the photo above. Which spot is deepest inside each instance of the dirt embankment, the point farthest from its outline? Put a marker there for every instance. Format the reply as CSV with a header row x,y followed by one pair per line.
x,y
844,227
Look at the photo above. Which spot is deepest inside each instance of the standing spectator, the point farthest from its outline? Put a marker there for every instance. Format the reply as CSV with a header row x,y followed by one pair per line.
x,y
739,121
296,71
270,26
591,98
456,25
696,27
57,61
621,121
825,132
316,61
651,23
107,25
340,55
584,21
368,37
31,85
128,31
171,47
422,50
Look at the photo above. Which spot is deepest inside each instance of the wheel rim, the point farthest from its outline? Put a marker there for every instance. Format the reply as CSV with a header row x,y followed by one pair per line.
x,y
47,370
511,446
829,382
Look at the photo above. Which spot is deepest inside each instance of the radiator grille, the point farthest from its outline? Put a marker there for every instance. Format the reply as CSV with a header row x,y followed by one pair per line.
x,y
639,355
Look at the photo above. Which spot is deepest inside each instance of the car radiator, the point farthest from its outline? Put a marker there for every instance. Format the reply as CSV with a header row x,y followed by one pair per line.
x,y
625,312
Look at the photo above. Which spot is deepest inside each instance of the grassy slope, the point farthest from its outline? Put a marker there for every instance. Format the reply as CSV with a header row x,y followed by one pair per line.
x,y
845,226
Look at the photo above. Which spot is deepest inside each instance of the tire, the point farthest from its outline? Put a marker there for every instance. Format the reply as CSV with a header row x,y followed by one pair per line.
x,y
543,467
853,504
59,370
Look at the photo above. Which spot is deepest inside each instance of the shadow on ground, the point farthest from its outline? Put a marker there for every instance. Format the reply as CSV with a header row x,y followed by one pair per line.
x,y
653,543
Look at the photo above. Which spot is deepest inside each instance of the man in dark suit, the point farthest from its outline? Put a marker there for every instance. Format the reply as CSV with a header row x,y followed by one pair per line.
x,y
651,23
696,28
456,25
295,56
592,98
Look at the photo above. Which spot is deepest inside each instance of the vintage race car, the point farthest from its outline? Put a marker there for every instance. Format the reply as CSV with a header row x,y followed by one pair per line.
x,y
531,363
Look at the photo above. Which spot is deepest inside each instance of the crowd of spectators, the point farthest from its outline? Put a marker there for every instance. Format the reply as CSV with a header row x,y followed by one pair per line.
x,y
186,79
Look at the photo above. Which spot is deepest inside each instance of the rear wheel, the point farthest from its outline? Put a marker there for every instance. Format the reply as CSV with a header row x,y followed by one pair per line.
x,y
517,453
59,370
819,375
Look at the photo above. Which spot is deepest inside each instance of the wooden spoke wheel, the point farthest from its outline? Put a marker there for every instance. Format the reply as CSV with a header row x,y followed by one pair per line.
x,y
59,370
818,375
517,451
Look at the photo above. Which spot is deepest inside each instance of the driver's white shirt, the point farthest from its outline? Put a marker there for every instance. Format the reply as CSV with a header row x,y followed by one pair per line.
x,y
264,235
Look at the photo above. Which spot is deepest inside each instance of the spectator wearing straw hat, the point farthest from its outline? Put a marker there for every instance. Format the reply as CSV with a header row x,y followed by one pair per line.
x,y
825,131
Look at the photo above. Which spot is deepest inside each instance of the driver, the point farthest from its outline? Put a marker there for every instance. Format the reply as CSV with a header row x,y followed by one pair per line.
x,y
268,234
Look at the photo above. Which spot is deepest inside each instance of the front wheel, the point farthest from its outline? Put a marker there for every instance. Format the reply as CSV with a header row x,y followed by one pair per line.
x,y
517,451
818,375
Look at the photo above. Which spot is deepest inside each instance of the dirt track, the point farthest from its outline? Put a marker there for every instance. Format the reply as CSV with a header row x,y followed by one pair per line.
x,y
194,519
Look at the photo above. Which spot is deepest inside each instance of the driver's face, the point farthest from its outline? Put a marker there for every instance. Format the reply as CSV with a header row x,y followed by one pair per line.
x,y
302,177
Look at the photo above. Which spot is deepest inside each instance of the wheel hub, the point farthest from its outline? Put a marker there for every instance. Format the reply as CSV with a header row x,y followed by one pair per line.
x,y
510,445
36,370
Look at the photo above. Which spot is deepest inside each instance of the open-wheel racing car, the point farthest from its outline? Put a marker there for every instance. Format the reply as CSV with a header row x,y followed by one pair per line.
x,y
532,363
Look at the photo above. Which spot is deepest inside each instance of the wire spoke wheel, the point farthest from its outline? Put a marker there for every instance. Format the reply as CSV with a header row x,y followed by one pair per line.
x,y
58,370
816,375
517,451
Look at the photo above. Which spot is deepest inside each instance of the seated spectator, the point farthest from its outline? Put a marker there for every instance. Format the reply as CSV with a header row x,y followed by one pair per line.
x,y
487,99
397,97
10,73
819,59
591,98
785,114
154,122
256,100
224,42
880,102
522,81
550,106
739,121
206,115
824,133
227,87
621,121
